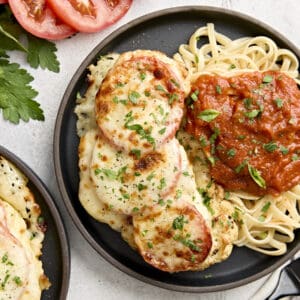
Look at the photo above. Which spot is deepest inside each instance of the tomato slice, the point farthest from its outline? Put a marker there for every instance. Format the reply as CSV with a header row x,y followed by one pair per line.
x,y
3,1
36,17
90,15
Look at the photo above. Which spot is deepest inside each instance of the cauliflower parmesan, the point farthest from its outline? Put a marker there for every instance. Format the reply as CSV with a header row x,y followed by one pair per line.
x,y
135,175
21,236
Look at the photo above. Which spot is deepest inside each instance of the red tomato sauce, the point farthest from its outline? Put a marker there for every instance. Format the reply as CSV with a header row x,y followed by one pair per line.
x,y
249,128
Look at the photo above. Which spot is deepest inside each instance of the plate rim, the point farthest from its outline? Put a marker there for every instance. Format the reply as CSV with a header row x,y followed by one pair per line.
x,y
56,147
53,210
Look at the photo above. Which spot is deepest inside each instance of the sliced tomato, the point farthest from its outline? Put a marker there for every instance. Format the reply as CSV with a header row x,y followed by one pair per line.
x,y
90,15
3,1
36,17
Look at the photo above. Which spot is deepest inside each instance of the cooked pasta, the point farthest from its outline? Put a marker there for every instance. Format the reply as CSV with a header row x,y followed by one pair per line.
x,y
266,223
227,57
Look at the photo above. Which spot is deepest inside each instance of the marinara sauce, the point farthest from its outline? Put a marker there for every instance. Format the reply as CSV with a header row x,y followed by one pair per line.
x,y
249,128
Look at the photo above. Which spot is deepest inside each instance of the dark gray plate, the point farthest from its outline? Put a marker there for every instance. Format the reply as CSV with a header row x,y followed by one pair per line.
x,y
163,30
55,257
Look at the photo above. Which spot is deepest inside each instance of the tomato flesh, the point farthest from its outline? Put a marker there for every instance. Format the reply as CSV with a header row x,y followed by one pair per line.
x,y
37,17
90,15
3,1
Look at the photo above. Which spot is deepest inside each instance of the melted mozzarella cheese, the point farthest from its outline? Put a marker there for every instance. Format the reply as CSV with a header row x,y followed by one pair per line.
x,y
85,108
172,239
87,189
20,221
140,102
127,183
17,258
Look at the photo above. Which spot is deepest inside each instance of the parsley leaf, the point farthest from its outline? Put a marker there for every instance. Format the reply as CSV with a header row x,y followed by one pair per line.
x,y
10,30
9,42
42,53
16,94
178,222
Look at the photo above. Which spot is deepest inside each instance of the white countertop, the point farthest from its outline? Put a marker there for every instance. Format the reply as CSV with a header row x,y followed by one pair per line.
x,y
91,276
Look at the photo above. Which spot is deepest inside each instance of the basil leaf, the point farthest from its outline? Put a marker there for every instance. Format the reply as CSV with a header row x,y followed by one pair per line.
x,y
208,115
256,176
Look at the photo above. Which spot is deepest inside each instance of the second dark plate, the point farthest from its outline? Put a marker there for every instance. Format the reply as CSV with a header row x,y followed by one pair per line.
x,y
55,252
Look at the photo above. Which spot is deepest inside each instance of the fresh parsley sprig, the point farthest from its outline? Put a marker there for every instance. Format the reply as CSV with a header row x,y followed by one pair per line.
x,y
16,94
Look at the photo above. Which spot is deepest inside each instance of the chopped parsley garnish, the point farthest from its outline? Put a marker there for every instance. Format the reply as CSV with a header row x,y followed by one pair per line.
x,y
160,88
144,232
295,157
278,102
186,241
227,195
241,166
17,280
266,207
147,94
175,83
218,89
178,194
208,115
4,258
284,150
252,114
203,141
150,245
141,131
110,174
270,147
3,283
194,95
162,131
141,187
267,79
126,196
231,152
172,98
241,137
236,216
142,76
214,136
161,202
120,84
162,184
151,176
179,222
232,66
247,102
255,175
206,200
135,209
136,153
134,96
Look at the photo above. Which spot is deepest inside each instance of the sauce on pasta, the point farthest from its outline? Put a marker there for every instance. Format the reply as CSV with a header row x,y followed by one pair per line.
x,y
249,128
